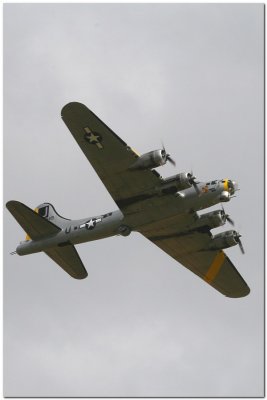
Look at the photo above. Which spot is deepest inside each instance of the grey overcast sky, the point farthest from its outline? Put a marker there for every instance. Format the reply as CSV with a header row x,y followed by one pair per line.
x,y
140,324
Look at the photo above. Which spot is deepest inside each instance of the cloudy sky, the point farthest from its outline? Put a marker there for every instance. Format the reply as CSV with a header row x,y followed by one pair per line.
x,y
140,324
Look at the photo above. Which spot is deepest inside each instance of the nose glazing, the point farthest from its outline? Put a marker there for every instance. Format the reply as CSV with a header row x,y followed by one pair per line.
x,y
232,186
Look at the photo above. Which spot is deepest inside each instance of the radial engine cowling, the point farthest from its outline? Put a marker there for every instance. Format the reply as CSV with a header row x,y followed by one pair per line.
x,y
150,160
224,240
225,196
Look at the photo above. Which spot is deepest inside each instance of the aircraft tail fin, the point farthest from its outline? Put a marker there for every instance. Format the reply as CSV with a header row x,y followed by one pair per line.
x,y
47,211
68,258
35,226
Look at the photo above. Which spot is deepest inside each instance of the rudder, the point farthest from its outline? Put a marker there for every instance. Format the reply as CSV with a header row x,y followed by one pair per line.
x,y
47,211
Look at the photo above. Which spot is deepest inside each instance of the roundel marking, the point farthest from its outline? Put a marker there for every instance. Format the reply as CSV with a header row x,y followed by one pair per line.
x,y
93,137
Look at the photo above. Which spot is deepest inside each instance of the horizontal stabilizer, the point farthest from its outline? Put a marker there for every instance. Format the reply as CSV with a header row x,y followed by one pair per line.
x,y
68,259
33,224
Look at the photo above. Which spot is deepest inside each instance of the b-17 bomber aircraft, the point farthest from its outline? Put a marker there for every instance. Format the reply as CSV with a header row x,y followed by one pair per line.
x,y
162,210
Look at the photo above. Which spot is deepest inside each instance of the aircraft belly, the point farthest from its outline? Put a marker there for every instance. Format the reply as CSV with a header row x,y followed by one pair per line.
x,y
167,225
96,228
140,211
96,234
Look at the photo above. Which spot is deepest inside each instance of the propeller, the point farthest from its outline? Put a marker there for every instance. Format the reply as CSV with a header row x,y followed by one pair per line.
x,y
192,181
171,160
167,156
238,236
227,217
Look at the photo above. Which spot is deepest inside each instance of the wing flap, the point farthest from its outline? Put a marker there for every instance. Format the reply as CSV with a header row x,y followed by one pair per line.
x,y
33,224
69,260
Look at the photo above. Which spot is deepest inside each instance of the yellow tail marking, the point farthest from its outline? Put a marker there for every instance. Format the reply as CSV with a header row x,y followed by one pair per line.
x,y
27,236
215,267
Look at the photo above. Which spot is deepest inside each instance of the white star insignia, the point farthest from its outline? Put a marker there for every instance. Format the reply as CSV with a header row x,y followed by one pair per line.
x,y
90,224
93,138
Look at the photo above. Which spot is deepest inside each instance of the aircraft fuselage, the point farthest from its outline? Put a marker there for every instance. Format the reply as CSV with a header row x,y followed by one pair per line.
x,y
202,196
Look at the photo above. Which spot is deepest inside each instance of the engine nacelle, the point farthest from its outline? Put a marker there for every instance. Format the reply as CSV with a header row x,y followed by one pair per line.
x,y
224,240
225,196
150,160
176,182
212,219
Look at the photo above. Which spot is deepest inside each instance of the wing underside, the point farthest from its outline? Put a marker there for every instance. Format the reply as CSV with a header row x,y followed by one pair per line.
x,y
109,155
68,259
191,250
134,192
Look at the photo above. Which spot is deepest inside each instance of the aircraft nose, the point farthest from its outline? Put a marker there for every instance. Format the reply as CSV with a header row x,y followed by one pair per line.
x,y
233,186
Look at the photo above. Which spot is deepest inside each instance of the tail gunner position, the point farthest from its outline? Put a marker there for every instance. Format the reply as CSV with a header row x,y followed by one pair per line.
x,y
162,210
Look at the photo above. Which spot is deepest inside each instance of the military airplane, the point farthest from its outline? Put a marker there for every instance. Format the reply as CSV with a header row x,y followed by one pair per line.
x,y
162,210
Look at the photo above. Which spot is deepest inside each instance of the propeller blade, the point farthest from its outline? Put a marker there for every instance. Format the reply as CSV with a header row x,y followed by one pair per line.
x,y
171,160
196,187
192,174
227,216
229,220
237,237
241,247
192,179
168,157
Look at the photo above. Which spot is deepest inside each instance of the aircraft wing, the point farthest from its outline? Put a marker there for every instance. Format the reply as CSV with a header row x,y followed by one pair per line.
x,y
109,155
68,259
213,266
